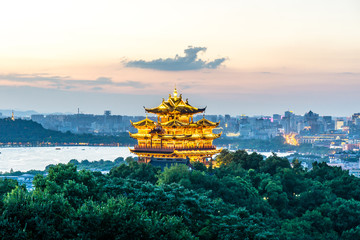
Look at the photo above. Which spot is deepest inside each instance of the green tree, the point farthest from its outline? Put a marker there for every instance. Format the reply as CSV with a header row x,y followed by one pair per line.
x,y
351,234
273,164
10,230
225,157
253,161
174,174
76,186
315,195
122,219
199,166
134,170
274,194
312,225
41,215
6,185
345,214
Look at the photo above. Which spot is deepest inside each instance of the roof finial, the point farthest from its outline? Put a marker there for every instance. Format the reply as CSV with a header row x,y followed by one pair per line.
x,y
12,116
175,92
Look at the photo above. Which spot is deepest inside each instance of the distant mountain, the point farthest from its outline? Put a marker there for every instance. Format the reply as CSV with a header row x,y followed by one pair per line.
x,y
8,113
27,131
27,113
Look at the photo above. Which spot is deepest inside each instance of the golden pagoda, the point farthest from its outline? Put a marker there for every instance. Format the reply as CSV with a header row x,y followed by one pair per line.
x,y
175,135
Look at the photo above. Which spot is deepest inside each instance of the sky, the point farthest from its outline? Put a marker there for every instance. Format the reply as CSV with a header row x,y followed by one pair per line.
x,y
234,57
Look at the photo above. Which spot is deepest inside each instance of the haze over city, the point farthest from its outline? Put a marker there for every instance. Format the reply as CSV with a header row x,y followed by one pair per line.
x,y
238,57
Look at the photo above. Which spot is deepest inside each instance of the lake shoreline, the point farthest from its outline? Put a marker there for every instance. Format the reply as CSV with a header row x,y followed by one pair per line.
x,y
62,145
28,158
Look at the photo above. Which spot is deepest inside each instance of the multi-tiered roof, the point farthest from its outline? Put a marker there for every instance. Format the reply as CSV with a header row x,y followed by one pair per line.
x,y
175,134
174,106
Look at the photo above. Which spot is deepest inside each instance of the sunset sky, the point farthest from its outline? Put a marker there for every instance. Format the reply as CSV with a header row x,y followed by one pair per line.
x,y
237,57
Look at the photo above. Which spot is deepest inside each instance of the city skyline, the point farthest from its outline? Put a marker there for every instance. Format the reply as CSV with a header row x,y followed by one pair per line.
x,y
243,57
27,114
97,103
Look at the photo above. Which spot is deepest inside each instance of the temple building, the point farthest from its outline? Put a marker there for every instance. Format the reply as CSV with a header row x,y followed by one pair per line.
x,y
174,137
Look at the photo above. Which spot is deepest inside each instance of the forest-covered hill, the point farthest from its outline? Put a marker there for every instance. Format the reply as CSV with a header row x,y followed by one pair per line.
x,y
27,131
245,198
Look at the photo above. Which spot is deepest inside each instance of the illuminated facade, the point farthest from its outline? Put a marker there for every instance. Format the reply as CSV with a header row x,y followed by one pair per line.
x,y
291,139
175,135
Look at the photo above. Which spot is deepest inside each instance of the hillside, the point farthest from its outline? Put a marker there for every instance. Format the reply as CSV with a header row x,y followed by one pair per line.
x,y
246,197
27,131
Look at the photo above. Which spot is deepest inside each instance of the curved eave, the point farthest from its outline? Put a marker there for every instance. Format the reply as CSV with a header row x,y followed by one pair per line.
x,y
217,135
144,126
187,125
162,108
176,153
151,151
205,136
176,110
167,137
174,123
143,123
188,110
198,152
157,111
140,136
207,123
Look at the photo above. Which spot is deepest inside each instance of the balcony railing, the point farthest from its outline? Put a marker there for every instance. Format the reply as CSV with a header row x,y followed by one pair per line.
x,y
171,149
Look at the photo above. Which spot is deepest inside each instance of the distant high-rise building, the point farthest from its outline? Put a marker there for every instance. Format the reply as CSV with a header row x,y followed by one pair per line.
x,y
327,119
355,118
339,123
244,120
288,114
311,121
276,118
288,122
328,123
357,121
213,118
227,118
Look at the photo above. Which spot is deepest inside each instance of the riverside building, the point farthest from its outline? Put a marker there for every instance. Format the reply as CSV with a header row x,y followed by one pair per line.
x,y
175,137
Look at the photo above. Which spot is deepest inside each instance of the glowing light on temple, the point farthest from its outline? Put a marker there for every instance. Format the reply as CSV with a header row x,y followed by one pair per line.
x,y
291,139
175,135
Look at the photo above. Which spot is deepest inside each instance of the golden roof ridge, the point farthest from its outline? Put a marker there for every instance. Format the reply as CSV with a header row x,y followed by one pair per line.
x,y
145,122
175,104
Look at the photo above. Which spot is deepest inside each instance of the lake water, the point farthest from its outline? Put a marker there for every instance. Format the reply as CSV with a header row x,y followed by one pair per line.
x,y
279,154
27,158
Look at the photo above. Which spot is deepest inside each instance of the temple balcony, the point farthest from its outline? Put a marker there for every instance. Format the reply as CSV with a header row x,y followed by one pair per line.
x,y
163,149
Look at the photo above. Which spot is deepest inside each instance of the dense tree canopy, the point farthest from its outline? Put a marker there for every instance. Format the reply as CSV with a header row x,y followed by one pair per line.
x,y
245,197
